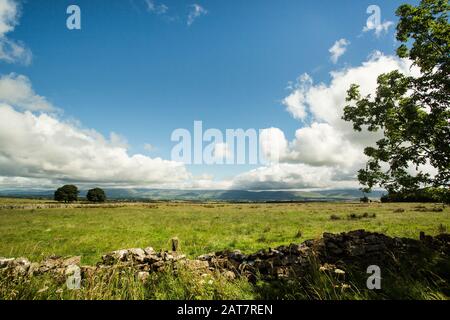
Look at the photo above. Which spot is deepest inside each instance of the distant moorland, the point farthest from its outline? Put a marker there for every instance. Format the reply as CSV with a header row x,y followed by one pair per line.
x,y
211,195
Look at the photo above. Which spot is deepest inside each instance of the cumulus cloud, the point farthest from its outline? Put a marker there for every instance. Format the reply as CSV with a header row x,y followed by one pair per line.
x,y
16,90
378,29
321,144
326,151
285,176
295,103
325,102
338,49
273,144
205,182
8,16
44,147
195,12
26,183
41,146
329,140
40,150
11,51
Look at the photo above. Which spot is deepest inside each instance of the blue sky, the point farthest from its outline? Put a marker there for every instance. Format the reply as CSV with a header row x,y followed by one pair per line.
x,y
142,73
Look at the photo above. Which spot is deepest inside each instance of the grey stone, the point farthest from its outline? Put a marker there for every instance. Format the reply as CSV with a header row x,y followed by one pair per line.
x,y
143,276
72,270
356,250
175,243
137,254
72,261
5,262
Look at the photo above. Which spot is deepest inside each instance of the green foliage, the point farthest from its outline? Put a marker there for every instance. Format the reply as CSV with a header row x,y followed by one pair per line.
x,y
190,285
364,199
67,193
427,195
96,195
413,113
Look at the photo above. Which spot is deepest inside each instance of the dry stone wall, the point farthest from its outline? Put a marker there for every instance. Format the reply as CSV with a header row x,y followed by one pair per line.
x,y
357,249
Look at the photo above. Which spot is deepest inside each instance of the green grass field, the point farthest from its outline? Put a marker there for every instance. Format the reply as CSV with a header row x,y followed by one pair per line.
x,y
36,233
19,201
202,228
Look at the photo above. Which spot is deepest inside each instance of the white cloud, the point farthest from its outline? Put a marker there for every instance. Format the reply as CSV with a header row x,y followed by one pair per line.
x,y
338,49
322,144
378,28
195,12
154,7
273,144
14,52
326,152
325,102
8,16
205,182
329,139
11,51
16,90
295,102
26,183
45,148
285,176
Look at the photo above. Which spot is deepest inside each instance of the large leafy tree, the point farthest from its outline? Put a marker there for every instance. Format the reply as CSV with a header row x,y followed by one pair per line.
x,y
96,195
67,193
412,112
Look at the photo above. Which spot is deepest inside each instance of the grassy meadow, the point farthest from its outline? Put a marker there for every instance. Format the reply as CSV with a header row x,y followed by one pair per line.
x,y
90,232
201,228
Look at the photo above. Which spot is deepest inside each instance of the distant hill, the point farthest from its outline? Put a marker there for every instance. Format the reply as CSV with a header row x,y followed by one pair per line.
x,y
211,195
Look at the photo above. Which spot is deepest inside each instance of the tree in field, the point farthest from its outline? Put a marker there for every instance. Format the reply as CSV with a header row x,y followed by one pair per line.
x,y
412,112
96,195
68,193
364,199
